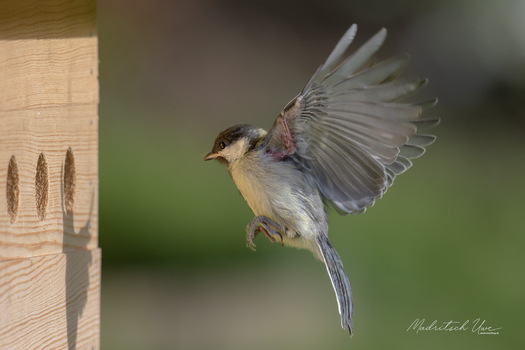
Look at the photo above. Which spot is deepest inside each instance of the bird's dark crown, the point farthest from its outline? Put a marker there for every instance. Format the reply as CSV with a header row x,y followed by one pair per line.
x,y
232,134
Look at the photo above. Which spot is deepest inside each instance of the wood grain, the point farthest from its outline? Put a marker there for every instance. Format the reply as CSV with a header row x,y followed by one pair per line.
x,y
51,302
50,131
48,53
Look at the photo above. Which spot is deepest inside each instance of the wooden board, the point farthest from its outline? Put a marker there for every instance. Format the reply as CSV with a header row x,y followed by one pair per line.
x,y
48,53
51,302
49,260
51,132
48,105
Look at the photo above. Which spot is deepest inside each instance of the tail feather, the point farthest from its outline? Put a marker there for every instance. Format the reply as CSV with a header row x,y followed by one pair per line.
x,y
340,282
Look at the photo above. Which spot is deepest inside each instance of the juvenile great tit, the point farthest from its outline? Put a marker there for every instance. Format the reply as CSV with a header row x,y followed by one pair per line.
x,y
340,142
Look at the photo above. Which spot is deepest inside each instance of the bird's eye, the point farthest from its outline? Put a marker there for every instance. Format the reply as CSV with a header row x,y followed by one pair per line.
x,y
222,145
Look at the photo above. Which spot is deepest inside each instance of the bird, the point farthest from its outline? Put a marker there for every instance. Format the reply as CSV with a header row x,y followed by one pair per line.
x,y
338,144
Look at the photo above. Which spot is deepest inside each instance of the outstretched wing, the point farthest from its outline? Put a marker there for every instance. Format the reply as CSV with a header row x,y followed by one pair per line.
x,y
348,128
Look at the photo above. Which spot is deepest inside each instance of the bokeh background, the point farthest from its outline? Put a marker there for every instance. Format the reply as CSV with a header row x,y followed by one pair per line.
x,y
445,243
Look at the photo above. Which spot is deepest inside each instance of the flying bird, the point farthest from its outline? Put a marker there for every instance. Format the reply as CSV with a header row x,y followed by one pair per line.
x,y
340,143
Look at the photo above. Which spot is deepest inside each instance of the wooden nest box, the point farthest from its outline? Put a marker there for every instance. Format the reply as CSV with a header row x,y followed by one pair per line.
x,y
49,255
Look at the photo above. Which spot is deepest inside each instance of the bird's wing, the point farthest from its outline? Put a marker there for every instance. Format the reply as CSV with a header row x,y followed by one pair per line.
x,y
348,129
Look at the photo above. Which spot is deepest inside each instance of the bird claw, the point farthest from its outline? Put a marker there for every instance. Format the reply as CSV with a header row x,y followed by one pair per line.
x,y
253,230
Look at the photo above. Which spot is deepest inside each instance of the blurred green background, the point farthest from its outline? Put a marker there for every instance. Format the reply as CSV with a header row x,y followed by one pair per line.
x,y
445,243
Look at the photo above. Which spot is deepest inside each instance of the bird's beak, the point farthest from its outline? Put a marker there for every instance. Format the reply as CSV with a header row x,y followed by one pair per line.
x,y
211,155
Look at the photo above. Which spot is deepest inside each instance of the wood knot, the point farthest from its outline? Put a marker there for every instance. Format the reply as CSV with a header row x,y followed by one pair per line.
x,y
70,181
13,189
41,186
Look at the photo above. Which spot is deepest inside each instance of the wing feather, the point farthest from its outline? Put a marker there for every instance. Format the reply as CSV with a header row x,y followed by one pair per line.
x,y
348,129
387,92
376,74
355,62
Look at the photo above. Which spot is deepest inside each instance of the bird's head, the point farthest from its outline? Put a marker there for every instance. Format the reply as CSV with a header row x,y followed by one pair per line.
x,y
233,143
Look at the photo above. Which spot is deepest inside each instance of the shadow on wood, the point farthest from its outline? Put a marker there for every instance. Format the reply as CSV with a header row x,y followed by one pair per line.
x,y
45,19
77,268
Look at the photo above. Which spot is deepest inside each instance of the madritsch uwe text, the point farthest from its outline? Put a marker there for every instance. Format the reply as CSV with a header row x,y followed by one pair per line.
x,y
478,326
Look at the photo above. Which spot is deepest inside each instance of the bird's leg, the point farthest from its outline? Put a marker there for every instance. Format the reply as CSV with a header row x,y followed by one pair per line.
x,y
266,226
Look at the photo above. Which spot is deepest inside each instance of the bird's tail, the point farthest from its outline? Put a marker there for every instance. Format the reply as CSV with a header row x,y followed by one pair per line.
x,y
340,282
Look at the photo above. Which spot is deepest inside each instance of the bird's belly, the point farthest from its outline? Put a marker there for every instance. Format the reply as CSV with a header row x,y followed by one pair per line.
x,y
260,196
282,195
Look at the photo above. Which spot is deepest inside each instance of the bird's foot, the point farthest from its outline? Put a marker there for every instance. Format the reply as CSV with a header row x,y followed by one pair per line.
x,y
264,225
